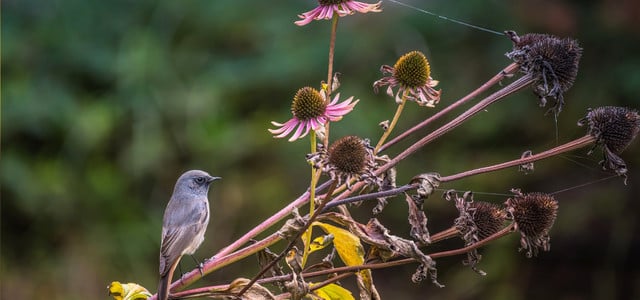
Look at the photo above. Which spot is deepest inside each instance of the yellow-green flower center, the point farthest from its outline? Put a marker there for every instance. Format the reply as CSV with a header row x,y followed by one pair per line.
x,y
308,104
348,155
330,2
412,70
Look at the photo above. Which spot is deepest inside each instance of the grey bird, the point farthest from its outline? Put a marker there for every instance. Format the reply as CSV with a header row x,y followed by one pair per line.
x,y
184,223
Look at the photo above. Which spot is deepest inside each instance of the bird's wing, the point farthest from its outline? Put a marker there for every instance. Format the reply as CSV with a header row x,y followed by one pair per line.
x,y
178,234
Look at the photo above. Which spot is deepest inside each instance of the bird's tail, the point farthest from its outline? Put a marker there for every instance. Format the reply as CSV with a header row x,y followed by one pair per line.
x,y
165,282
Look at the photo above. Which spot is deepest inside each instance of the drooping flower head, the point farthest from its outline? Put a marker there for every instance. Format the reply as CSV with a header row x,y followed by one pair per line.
x,y
534,215
327,8
614,128
478,220
311,110
348,158
551,61
411,74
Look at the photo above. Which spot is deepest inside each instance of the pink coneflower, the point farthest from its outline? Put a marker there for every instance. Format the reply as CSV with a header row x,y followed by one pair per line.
x,y
413,75
311,110
342,7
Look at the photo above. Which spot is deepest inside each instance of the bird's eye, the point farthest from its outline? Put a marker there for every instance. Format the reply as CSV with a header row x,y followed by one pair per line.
x,y
200,180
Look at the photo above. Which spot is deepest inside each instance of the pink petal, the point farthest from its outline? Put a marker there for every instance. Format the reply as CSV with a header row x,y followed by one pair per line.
x,y
285,129
308,16
298,132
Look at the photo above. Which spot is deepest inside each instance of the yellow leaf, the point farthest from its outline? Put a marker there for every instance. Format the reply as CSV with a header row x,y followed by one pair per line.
x,y
347,244
128,291
333,291
320,242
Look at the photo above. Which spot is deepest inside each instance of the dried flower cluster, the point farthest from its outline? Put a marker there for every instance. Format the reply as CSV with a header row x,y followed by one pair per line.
x,y
353,166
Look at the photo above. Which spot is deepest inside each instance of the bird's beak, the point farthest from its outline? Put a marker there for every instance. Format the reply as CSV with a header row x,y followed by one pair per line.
x,y
212,178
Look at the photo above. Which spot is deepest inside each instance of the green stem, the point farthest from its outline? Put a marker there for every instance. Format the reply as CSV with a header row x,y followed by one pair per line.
x,y
312,198
387,132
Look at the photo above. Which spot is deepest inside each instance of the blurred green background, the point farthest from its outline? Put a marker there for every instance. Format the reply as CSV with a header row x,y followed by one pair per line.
x,y
106,103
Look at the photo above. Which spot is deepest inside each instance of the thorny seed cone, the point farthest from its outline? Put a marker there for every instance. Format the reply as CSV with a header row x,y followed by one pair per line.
x,y
308,104
412,70
548,57
348,155
551,61
488,217
614,127
533,213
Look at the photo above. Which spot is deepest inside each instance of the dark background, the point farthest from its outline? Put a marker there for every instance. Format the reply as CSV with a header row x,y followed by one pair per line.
x,y
106,103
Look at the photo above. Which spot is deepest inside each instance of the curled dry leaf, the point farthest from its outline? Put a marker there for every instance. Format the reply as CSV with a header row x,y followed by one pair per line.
x,y
527,168
418,221
255,292
265,257
292,226
375,234
427,183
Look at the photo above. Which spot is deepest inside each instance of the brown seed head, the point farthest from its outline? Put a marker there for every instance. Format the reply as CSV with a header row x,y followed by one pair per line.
x,y
613,127
348,155
551,61
488,217
533,213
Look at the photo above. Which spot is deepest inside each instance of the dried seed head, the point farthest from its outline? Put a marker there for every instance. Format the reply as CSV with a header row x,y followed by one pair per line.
x,y
308,104
534,215
488,217
613,127
477,221
412,70
348,155
349,158
551,61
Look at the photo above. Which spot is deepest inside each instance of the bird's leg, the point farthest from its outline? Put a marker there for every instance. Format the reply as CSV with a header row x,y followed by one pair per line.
x,y
180,269
200,264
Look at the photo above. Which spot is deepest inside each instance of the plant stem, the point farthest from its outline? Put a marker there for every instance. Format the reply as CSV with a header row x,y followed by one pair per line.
x,y
387,193
572,145
569,146
312,198
293,240
332,47
510,69
515,86
505,231
217,263
352,269
387,132
445,234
